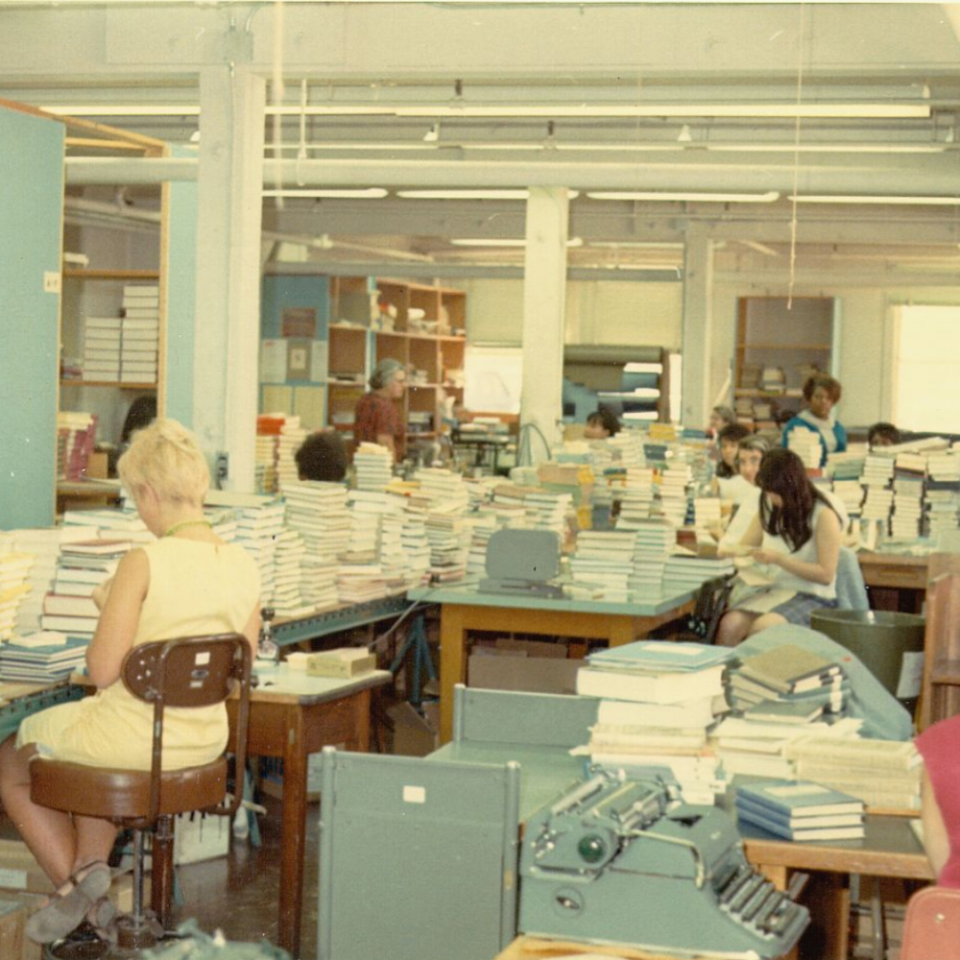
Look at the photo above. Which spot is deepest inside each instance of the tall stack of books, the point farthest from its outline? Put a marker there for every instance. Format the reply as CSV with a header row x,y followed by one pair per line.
x,y
318,512
373,465
101,349
673,493
449,538
292,435
656,540
266,452
884,774
790,682
603,564
690,571
877,475
140,333
548,511
907,507
76,438
942,493
288,599
259,523
628,448
659,700
83,565
45,657
42,543
416,545
14,584
636,498
801,810
806,445
483,524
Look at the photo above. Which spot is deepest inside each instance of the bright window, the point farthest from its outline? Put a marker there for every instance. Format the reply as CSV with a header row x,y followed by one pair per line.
x,y
926,364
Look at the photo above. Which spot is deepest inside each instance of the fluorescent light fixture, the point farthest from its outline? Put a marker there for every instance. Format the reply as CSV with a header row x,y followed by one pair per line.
x,y
130,110
635,245
767,197
367,193
492,242
893,201
472,194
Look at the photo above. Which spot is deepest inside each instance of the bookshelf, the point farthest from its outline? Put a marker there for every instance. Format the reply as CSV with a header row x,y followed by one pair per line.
x,y
776,350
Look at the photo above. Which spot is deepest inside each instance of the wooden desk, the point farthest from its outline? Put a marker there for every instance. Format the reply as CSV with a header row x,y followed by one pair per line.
x,y
534,948
291,716
897,581
465,608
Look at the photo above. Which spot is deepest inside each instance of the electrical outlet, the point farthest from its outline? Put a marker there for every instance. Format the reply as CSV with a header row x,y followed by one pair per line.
x,y
222,466
51,281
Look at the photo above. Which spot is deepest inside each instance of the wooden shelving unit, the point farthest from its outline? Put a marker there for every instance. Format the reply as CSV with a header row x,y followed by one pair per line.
x,y
940,694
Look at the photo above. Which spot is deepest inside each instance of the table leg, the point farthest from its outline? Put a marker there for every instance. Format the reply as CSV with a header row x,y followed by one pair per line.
x,y
453,664
293,828
621,630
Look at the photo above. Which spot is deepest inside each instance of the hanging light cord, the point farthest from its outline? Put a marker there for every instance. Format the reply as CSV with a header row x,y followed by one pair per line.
x,y
796,165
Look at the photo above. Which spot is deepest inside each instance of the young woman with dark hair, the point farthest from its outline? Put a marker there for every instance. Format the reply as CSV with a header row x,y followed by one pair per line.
x,y
797,532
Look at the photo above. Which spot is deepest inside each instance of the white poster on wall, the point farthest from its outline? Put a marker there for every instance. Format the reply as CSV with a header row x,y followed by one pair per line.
x,y
273,361
494,379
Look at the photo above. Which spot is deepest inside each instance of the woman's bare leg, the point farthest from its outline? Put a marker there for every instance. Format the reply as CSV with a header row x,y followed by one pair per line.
x,y
767,620
734,627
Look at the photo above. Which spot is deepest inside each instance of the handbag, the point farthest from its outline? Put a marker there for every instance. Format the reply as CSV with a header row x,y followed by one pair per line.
x,y
713,601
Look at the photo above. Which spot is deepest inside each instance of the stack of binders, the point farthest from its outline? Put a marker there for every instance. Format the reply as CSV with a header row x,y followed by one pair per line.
x,y
800,810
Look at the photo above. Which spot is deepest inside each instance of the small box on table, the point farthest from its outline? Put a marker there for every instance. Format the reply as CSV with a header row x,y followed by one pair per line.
x,y
345,662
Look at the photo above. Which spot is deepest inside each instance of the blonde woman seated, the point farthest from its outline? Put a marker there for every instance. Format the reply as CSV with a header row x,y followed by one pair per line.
x,y
749,455
797,532
188,582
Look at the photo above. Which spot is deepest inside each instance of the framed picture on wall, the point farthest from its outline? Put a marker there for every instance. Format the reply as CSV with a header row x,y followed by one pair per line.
x,y
299,322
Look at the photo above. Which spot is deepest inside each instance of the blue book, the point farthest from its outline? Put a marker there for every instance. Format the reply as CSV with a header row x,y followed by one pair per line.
x,y
748,808
797,799
660,655
799,834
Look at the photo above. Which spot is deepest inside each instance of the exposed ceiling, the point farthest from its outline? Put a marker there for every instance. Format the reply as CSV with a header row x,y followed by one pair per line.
x,y
718,115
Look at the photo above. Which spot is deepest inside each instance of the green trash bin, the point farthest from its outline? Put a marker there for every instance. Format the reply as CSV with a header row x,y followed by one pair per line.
x,y
878,638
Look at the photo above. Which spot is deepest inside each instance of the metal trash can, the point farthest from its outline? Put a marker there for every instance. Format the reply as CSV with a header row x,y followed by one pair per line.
x,y
879,639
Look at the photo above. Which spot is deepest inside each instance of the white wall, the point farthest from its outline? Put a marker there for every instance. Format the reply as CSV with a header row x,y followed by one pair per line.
x,y
598,312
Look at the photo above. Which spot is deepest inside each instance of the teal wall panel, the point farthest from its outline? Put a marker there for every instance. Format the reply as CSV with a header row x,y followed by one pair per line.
x,y
181,295
31,218
280,293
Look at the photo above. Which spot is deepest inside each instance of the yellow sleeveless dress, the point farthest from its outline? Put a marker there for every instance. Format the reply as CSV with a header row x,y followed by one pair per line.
x,y
195,588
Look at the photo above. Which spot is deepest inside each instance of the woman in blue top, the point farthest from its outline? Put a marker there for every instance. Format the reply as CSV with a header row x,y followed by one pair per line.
x,y
822,393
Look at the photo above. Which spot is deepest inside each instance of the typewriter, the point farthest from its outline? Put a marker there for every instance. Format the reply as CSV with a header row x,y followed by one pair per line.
x,y
619,861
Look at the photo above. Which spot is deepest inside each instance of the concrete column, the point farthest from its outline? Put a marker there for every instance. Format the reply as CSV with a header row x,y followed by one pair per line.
x,y
544,301
226,345
697,333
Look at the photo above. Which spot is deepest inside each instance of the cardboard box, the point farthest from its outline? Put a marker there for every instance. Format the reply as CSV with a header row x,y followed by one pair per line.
x,y
345,662
413,735
511,671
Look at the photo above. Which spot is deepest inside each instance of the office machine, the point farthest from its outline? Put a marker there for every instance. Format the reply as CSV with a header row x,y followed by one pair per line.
x,y
619,861
522,562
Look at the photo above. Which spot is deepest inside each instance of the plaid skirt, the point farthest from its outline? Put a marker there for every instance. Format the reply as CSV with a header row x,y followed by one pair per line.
x,y
798,608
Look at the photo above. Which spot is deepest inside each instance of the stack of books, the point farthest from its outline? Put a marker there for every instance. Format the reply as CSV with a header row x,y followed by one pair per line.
x,y
45,657
790,682
43,543
107,524
76,438
483,524
548,511
659,700
806,445
685,570
318,512
636,498
83,565
288,599
14,584
603,564
266,452
373,466
942,493
850,494
656,540
907,507
884,774
801,810
140,333
627,446
674,483
292,435
259,523
416,545
101,349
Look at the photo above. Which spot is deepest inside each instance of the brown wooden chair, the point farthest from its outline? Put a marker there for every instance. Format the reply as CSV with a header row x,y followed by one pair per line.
x,y
183,673
931,930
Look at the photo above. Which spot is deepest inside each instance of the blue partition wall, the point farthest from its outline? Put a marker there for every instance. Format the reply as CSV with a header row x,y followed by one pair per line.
x,y
31,218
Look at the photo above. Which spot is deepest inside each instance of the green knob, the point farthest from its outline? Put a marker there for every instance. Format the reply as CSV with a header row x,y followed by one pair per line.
x,y
592,849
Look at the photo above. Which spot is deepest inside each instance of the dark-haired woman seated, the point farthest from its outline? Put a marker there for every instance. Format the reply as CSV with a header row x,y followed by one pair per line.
x,y
797,532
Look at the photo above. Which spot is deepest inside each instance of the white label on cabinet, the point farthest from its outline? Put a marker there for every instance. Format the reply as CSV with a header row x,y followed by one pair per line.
x,y
51,281
911,673
414,794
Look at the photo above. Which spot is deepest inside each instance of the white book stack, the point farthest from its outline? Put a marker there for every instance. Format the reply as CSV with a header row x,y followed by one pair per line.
x,y
101,348
877,505
360,576
43,543
393,559
373,466
438,485
907,509
656,711
223,522
265,464
449,539
636,498
109,524
877,470
656,539
508,504
288,600
318,512
258,526
942,496
140,333
416,546
15,584
673,493
806,445
627,446
548,511
292,435
483,524
850,493
755,748
602,565
687,571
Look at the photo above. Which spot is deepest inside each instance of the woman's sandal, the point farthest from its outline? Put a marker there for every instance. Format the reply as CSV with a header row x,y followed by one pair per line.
x,y
69,906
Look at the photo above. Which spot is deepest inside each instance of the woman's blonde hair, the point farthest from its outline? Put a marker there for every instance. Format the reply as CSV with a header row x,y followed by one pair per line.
x,y
167,457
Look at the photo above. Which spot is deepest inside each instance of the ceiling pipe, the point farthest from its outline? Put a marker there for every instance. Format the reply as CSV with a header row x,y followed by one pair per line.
x,y
871,175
